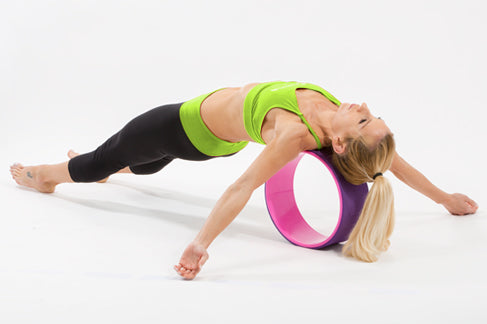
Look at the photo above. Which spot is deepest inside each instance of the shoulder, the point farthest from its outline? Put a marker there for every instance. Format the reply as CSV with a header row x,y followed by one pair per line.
x,y
283,124
290,132
283,147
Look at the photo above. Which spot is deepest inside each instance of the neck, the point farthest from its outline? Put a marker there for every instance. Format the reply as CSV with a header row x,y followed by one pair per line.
x,y
325,117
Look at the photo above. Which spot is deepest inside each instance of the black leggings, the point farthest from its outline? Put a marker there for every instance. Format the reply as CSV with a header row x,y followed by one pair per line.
x,y
146,144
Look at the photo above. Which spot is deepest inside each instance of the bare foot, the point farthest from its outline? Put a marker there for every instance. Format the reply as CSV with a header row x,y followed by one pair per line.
x,y
31,177
72,154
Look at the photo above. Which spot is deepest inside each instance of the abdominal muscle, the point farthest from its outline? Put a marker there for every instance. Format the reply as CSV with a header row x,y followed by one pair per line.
x,y
222,113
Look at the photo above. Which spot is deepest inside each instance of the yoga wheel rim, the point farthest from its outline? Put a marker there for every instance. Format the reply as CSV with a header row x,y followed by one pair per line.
x,y
285,214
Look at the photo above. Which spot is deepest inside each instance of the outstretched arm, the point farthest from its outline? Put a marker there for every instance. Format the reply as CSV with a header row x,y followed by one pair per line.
x,y
274,156
456,204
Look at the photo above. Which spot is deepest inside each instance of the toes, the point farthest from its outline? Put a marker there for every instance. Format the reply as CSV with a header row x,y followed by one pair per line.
x,y
16,165
72,154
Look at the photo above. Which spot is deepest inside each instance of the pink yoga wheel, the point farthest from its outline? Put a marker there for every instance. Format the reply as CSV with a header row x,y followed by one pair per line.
x,y
284,212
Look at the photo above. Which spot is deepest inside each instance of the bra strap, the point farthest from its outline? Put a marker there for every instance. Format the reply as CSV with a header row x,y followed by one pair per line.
x,y
318,142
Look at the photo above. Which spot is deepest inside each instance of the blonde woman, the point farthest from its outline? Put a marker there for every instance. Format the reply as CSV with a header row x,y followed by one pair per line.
x,y
288,117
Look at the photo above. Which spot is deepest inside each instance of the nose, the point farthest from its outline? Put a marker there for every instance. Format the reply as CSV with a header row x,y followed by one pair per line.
x,y
356,107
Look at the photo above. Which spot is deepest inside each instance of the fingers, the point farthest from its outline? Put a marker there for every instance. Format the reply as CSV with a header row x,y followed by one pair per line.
x,y
471,206
182,269
185,272
472,203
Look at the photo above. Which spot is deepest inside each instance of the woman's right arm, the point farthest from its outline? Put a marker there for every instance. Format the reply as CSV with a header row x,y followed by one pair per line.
x,y
281,150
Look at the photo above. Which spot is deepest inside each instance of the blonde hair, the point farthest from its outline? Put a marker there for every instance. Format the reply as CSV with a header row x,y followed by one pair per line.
x,y
359,164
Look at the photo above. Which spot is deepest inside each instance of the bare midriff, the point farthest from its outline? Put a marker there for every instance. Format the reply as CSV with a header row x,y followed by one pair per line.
x,y
222,113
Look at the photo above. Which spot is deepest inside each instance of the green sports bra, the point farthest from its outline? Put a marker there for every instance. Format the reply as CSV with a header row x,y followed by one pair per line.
x,y
277,94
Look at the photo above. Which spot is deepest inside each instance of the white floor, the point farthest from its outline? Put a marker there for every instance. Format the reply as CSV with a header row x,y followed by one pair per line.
x,y
103,253
74,72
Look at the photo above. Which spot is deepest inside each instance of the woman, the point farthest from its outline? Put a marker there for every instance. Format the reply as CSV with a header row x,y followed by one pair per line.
x,y
289,117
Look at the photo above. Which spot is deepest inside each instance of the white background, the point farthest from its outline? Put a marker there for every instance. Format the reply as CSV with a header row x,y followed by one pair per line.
x,y
74,72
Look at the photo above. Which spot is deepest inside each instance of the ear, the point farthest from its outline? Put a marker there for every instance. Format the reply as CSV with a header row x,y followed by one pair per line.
x,y
339,146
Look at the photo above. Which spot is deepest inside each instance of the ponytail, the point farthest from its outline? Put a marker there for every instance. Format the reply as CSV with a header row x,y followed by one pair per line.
x,y
370,236
359,164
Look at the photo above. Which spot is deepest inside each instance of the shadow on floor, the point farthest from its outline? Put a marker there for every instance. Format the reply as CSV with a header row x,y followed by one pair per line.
x,y
190,221
181,196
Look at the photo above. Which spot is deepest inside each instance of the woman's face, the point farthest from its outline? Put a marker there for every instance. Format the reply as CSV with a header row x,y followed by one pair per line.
x,y
352,120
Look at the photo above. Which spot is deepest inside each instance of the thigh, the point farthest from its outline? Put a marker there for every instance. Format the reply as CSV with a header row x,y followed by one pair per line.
x,y
156,134
151,167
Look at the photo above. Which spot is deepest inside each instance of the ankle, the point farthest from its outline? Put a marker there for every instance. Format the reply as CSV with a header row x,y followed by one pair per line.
x,y
42,175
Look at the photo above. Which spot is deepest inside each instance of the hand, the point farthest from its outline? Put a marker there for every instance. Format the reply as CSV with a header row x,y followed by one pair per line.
x,y
193,258
458,204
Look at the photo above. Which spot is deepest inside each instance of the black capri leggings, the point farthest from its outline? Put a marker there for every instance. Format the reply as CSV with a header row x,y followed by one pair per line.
x,y
146,144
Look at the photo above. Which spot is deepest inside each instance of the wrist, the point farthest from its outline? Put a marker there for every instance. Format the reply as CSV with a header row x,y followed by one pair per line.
x,y
202,241
442,198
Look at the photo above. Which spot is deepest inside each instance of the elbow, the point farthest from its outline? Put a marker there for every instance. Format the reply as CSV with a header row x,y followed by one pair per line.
x,y
242,186
398,174
396,167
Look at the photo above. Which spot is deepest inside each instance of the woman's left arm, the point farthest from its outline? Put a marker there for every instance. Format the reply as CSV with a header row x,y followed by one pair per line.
x,y
456,204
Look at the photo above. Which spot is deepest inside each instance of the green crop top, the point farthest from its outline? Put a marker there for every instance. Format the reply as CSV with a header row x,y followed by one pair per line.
x,y
201,137
277,94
